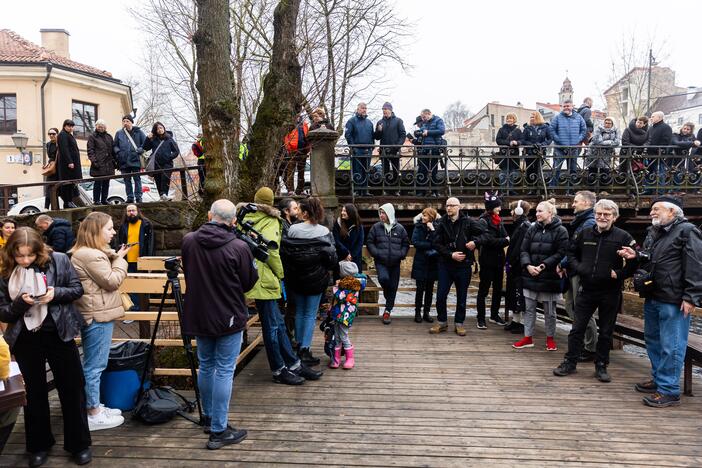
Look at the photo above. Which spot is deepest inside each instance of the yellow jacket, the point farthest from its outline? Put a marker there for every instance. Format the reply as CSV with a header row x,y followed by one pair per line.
x,y
4,359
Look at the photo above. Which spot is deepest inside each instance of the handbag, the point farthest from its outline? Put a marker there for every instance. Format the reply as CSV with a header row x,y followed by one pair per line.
x,y
50,168
127,302
151,164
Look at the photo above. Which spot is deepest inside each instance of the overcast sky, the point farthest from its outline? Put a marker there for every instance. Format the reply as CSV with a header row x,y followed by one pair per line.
x,y
504,51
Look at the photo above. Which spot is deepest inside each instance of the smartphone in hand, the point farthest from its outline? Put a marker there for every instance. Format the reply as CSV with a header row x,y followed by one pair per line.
x,y
129,246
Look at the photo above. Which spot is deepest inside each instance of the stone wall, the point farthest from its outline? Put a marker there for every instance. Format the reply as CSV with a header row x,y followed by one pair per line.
x,y
171,221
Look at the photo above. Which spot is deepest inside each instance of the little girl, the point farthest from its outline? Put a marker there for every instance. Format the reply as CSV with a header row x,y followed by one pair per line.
x,y
346,294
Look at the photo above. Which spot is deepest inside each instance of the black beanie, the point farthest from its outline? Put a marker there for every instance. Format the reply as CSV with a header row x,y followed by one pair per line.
x,y
669,199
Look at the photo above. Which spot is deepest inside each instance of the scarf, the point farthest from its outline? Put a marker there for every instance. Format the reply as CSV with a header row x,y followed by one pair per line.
x,y
30,281
495,218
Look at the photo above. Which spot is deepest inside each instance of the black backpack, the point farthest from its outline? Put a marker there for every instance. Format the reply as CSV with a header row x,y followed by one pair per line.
x,y
160,404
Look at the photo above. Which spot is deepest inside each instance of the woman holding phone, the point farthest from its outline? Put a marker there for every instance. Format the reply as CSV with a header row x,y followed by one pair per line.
x,y
101,271
37,290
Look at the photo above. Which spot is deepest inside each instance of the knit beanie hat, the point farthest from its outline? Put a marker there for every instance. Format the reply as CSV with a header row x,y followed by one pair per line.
x,y
347,268
387,105
264,196
130,118
492,201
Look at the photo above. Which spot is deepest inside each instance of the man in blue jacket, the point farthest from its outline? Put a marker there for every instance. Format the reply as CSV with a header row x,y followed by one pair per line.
x,y
430,134
569,129
359,131
128,149
390,130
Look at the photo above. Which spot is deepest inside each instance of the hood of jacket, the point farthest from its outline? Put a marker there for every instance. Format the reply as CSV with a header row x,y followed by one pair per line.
x,y
390,211
263,210
606,131
635,130
214,235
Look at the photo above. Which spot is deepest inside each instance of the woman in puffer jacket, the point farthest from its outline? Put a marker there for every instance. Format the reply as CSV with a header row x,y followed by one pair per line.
x,y
424,264
308,253
101,271
604,141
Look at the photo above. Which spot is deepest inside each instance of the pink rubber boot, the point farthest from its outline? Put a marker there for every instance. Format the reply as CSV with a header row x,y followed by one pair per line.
x,y
336,359
350,361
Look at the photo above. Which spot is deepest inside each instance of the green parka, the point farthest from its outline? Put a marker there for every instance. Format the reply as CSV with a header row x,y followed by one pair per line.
x,y
268,222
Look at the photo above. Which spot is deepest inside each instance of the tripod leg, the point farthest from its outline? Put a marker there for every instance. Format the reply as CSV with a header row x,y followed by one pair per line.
x,y
150,351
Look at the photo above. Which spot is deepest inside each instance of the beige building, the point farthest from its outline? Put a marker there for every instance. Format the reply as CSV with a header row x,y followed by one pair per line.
x,y
481,128
40,87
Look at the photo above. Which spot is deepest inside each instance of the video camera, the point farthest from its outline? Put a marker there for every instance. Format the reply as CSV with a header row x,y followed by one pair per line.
x,y
245,231
173,266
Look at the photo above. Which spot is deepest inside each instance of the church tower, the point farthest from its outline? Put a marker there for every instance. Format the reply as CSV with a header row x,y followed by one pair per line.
x,y
566,91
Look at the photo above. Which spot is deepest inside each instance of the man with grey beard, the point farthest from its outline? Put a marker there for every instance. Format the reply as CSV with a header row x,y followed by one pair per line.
x,y
671,283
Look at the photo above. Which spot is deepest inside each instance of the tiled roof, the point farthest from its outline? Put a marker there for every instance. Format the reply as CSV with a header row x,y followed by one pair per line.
x,y
678,102
15,49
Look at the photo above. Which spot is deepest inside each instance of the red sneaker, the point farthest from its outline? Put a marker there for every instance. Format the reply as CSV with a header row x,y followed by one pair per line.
x,y
525,342
551,344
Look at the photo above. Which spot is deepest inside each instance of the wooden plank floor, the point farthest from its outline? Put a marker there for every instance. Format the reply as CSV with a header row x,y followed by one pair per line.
x,y
416,399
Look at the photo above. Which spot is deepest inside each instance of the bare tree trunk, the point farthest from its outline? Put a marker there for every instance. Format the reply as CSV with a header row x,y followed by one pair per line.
x,y
282,94
219,109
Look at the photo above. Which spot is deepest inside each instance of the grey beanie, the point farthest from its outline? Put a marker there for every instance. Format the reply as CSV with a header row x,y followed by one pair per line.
x,y
347,268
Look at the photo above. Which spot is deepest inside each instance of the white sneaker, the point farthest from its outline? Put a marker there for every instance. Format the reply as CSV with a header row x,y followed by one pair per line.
x,y
164,198
103,420
111,411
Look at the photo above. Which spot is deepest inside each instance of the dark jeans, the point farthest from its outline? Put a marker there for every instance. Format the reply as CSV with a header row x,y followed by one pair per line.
x,y
133,193
460,277
275,338
490,275
201,173
514,297
360,165
100,190
33,350
389,279
607,303
425,291
163,182
295,164
391,168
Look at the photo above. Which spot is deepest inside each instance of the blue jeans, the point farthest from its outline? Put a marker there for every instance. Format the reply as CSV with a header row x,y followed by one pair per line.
x,y
460,277
561,155
306,308
131,192
665,332
97,339
275,338
217,358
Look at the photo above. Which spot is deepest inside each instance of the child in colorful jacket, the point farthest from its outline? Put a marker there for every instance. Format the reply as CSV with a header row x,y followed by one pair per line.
x,y
346,294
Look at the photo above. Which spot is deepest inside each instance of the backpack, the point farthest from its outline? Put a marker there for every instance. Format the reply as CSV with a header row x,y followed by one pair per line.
x,y
295,140
160,404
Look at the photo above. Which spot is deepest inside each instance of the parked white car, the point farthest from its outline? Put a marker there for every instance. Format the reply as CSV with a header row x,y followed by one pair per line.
x,y
116,195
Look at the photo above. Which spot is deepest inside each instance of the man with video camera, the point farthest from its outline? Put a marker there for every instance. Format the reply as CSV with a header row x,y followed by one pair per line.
x,y
267,223
219,269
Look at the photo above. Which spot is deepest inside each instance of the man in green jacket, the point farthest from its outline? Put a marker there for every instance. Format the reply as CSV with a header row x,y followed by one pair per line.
x,y
284,363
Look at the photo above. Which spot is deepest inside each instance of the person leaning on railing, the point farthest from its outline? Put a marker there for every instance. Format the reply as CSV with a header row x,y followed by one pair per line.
x,y
536,137
660,137
683,142
359,131
128,148
633,139
508,137
602,148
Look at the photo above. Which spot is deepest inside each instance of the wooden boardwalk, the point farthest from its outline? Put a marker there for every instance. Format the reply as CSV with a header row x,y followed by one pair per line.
x,y
420,400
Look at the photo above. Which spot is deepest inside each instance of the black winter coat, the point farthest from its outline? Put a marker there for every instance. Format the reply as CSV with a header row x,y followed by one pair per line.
x,y
353,244
393,133
167,151
68,154
59,236
452,236
634,136
492,248
504,135
60,274
219,268
675,258
593,255
101,154
659,134
146,237
307,263
548,245
514,250
388,249
536,135
682,143
424,264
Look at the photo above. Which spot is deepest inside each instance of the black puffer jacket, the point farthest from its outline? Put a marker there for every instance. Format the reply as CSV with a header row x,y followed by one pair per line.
x,y
392,133
425,255
101,154
514,250
388,249
307,263
492,248
452,236
675,258
634,136
682,143
593,256
67,288
504,136
544,244
59,236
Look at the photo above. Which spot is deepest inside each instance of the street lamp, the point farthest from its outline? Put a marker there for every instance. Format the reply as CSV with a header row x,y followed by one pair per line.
x,y
20,140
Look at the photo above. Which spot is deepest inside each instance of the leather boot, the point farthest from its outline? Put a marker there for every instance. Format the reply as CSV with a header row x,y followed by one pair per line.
x,y
427,318
418,316
350,361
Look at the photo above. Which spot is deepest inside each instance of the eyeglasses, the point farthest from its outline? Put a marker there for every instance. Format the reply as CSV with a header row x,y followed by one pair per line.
x,y
52,134
604,215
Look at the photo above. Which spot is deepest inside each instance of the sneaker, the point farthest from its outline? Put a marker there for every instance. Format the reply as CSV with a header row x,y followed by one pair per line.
x,y
288,377
386,317
525,342
481,324
646,387
111,411
658,400
307,373
164,198
564,369
307,358
460,329
228,436
103,420
497,320
551,344
601,373
127,322
438,327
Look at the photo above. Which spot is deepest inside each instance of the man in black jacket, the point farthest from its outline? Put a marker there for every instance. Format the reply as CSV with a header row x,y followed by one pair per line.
x,y
456,238
219,269
672,256
492,260
57,232
594,255
390,130
660,137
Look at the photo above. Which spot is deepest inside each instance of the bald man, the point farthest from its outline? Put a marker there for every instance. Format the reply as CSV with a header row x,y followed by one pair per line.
x,y
456,238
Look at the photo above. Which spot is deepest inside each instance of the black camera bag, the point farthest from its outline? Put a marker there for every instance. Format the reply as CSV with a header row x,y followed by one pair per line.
x,y
160,404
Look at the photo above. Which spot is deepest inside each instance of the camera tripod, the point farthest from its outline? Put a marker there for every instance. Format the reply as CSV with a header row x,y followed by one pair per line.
x,y
173,283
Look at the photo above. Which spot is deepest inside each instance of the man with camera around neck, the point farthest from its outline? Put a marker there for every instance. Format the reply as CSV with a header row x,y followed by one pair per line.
x,y
284,363
219,268
457,237
595,256
670,279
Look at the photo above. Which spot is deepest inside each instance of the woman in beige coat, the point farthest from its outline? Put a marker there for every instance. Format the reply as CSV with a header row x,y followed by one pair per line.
x,y
101,271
